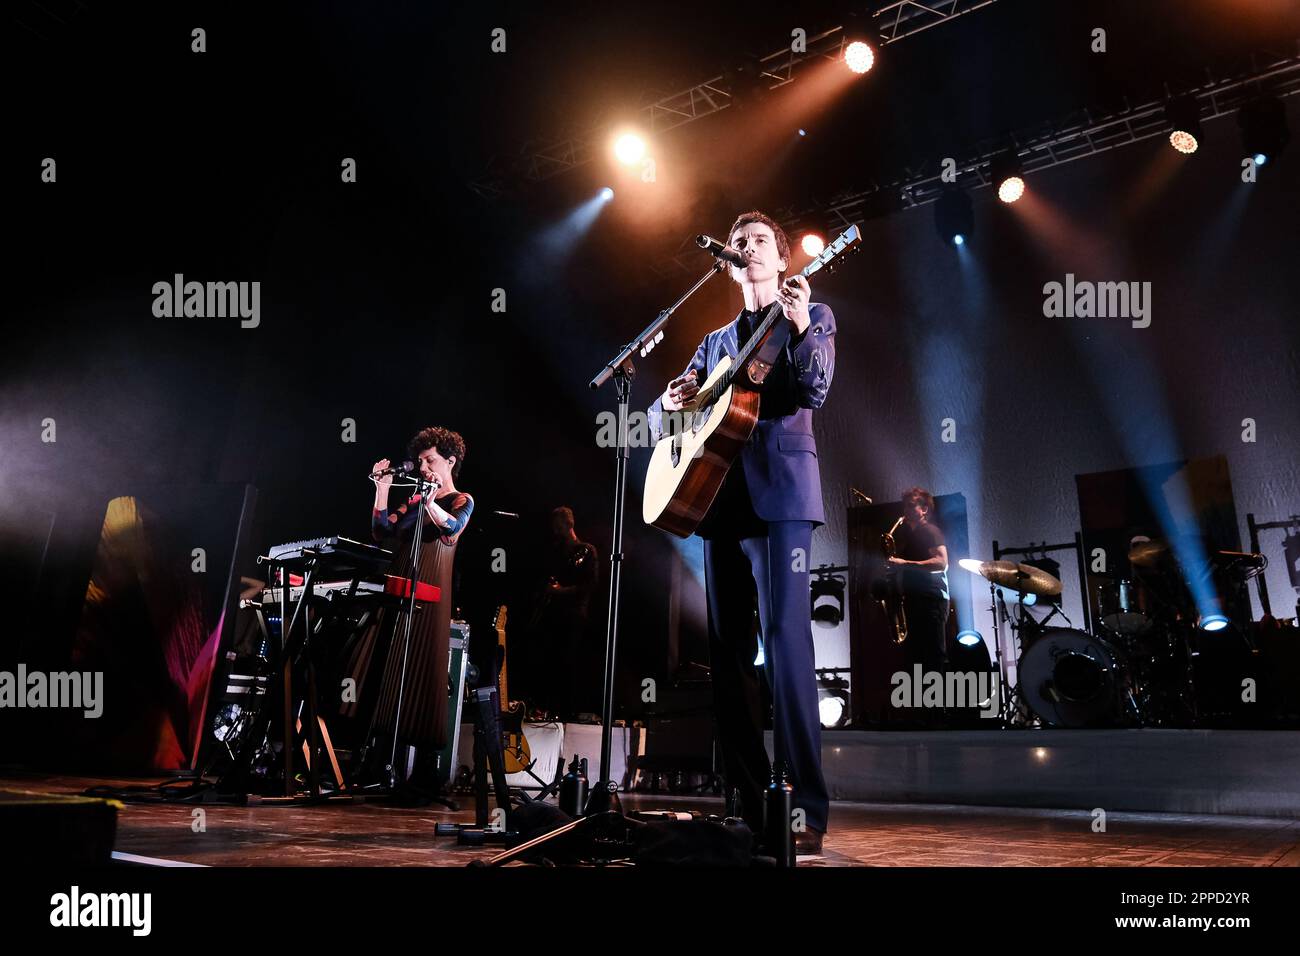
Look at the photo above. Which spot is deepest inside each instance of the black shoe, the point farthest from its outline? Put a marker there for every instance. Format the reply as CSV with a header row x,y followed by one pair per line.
x,y
808,843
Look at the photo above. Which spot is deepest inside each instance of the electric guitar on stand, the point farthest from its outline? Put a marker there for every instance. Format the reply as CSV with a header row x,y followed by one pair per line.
x,y
517,755
687,468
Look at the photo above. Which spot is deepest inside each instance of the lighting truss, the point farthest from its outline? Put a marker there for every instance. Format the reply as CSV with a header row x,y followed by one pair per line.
x,y
541,159
1083,133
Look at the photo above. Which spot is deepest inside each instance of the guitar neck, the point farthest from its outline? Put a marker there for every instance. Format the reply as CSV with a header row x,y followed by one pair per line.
x,y
503,685
503,688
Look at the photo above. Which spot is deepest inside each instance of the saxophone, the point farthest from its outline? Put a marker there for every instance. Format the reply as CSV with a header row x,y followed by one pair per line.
x,y
892,602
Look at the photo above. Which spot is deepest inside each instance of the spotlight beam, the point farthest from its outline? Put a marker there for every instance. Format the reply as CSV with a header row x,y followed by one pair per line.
x,y
1081,134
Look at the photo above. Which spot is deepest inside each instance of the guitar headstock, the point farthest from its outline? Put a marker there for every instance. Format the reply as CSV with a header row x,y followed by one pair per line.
x,y
499,621
847,242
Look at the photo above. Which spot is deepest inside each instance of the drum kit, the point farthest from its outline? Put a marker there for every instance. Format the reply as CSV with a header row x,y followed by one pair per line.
x,y
1146,663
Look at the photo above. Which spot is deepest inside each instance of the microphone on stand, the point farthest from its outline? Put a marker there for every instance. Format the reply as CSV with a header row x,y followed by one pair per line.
x,y
720,250
857,494
401,468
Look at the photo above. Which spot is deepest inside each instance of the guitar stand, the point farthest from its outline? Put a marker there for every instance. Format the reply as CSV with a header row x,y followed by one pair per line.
x,y
488,760
545,789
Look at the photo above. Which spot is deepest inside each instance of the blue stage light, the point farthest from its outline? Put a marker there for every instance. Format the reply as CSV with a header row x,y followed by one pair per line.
x,y
969,638
607,194
1260,159
954,218
1214,622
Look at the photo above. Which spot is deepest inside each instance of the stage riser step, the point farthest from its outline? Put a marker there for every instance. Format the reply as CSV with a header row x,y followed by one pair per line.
x,y
1254,773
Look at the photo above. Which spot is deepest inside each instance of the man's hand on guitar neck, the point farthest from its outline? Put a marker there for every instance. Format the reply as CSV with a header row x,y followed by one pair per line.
x,y
680,392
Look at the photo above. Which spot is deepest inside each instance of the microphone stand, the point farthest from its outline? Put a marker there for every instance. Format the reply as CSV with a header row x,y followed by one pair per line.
x,y
603,821
424,489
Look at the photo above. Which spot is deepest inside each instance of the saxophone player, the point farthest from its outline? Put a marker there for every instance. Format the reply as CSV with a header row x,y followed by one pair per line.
x,y
921,561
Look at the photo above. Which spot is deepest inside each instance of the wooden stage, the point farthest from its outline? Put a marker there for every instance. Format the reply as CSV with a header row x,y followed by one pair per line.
x,y
377,833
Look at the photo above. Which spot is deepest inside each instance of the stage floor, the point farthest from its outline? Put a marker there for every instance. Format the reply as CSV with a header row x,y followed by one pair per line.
x,y
862,834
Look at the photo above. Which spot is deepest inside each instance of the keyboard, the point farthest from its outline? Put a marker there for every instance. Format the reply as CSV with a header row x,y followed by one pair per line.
x,y
340,554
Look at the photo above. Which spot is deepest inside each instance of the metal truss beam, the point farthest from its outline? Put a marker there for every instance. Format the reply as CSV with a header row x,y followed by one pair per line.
x,y
1083,133
541,159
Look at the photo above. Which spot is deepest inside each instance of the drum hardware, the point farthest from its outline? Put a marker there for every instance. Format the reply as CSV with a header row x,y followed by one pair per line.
x,y
1022,579
1070,678
1145,663
1123,607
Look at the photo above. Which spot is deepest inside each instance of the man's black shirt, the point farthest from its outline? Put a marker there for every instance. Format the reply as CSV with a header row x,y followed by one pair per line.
x,y
916,544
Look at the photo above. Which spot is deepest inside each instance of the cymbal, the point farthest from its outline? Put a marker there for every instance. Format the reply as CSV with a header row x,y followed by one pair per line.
x,y
1015,577
1146,553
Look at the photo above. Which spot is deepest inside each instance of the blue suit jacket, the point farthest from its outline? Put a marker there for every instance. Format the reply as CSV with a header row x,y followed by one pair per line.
x,y
780,459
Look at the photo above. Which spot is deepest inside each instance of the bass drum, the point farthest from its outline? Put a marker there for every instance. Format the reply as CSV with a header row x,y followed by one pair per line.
x,y
1071,679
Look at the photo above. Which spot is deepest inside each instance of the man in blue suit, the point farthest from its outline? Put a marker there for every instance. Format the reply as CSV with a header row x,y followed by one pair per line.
x,y
758,534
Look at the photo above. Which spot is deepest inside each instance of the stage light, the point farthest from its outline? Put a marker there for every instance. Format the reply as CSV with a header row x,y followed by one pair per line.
x,y
803,132
629,149
812,244
1011,189
1184,115
953,216
607,194
832,698
746,81
832,709
1264,131
1005,171
969,638
859,56
827,598
1213,622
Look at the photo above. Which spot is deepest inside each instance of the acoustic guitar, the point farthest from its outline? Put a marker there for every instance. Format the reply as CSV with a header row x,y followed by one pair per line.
x,y
691,459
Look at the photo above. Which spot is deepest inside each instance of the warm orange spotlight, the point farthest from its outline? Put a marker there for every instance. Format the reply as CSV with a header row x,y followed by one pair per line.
x,y
813,244
859,56
1011,189
1184,115
629,149
1182,141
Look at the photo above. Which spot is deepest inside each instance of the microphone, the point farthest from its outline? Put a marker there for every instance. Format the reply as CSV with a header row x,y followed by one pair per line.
x,y
865,500
401,468
720,250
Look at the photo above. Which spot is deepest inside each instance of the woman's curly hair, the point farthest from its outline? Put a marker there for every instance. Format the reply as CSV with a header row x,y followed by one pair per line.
x,y
445,440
